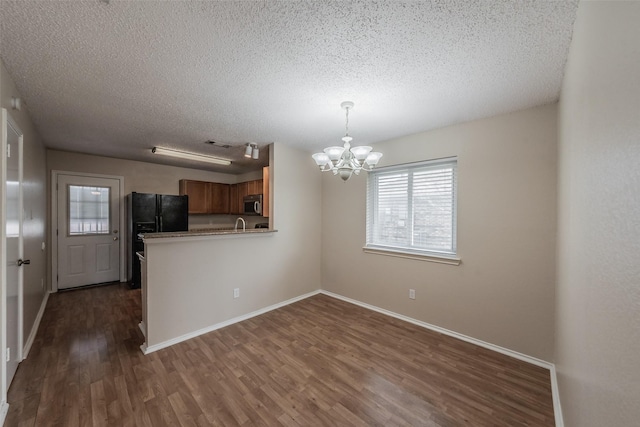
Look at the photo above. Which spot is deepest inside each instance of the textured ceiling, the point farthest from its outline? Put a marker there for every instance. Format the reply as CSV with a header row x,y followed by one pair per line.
x,y
117,78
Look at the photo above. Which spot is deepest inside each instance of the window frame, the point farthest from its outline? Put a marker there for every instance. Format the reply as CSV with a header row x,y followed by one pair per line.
x,y
405,251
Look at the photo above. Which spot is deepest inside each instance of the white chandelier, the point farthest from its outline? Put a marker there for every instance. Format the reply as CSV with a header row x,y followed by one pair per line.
x,y
347,160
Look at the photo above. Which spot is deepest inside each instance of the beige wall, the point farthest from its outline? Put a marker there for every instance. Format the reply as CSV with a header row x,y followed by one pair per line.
x,y
503,292
598,291
191,282
34,188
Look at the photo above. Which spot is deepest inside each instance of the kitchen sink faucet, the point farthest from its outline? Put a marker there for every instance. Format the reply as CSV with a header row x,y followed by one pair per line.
x,y
244,224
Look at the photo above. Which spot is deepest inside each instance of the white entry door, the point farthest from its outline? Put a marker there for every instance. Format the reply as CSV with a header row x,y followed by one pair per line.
x,y
88,211
12,159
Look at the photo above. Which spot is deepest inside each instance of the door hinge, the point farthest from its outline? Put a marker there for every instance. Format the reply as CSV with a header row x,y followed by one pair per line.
x,y
8,355
8,150
56,231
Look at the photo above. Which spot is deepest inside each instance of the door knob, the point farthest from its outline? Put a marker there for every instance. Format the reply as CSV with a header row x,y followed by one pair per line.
x,y
115,238
26,261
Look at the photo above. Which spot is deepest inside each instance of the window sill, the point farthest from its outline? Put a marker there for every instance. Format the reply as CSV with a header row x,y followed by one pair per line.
x,y
442,259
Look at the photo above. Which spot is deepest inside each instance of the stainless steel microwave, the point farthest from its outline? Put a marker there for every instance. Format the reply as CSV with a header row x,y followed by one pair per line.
x,y
252,204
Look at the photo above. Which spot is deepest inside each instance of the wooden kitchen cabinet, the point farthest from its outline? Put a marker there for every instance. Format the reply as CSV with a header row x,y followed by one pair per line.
x,y
265,191
234,203
254,187
198,192
206,197
237,192
243,190
219,198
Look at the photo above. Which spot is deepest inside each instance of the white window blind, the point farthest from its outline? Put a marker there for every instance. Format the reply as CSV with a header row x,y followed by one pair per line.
x,y
412,208
88,210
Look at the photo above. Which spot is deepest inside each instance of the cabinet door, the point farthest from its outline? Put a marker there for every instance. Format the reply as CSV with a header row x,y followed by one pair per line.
x,y
198,193
254,187
234,205
257,186
243,190
219,198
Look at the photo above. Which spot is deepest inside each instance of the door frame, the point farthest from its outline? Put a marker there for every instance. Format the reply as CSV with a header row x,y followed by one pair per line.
x,y
54,223
8,122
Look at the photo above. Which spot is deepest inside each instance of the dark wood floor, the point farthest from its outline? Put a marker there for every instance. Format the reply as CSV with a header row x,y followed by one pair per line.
x,y
320,361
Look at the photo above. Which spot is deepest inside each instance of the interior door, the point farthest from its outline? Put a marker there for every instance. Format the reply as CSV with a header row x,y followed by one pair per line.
x,y
12,159
88,211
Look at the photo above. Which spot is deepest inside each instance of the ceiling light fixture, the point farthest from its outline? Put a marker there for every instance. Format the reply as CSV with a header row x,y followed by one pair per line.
x,y
345,160
190,156
252,151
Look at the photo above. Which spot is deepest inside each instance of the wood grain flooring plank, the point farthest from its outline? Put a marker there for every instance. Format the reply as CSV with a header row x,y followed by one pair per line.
x,y
317,362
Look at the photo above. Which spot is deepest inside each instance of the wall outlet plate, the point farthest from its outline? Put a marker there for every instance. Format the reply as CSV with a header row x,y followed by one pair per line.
x,y
412,293
236,293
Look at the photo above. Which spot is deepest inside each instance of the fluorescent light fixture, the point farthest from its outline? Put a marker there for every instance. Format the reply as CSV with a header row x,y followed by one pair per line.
x,y
190,156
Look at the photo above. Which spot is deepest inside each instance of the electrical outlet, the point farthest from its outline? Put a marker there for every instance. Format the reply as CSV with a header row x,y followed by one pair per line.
x,y
412,293
236,293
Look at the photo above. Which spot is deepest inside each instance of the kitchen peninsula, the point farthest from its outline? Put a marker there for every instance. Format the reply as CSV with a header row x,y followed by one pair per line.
x,y
193,281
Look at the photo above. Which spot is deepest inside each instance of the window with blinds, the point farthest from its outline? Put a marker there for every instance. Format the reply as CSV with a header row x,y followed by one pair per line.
x,y
412,208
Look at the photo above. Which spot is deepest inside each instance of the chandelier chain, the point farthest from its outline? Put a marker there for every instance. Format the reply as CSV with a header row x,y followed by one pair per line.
x,y
346,126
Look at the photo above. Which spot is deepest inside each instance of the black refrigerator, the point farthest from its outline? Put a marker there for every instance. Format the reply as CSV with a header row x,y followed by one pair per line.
x,y
152,213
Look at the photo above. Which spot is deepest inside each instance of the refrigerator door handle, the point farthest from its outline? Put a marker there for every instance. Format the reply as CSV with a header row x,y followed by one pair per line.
x,y
157,224
161,227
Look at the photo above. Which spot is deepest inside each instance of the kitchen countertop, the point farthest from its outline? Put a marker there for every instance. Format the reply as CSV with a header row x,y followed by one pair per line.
x,y
205,232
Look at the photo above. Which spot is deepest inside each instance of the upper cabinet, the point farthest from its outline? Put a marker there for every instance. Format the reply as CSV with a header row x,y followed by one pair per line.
x,y
206,197
217,198
265,191
198,192
241,189
219,203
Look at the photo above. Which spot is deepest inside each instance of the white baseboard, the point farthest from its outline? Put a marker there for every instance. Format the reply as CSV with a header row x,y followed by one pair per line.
x,y
517,355
557,408
497,348
35,327
150,349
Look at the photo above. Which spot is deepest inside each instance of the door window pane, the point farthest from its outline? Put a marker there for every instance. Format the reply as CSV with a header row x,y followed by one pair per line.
x,y
88,210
